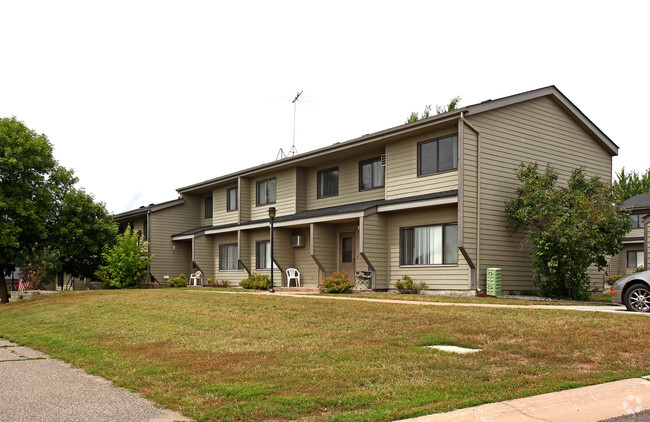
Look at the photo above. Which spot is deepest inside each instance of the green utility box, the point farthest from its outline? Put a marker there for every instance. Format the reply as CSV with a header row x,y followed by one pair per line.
x,y
493,287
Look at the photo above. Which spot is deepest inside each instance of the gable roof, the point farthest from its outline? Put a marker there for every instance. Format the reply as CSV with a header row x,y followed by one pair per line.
x,y
438,119
152,207
638,201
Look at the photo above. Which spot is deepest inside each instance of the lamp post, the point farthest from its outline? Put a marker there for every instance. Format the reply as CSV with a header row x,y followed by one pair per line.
x,y
272,216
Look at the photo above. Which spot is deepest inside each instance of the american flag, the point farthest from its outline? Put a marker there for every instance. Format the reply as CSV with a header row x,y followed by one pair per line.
x,y
22,286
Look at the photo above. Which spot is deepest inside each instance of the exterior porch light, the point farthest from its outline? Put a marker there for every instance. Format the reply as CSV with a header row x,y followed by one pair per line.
x,y
272,216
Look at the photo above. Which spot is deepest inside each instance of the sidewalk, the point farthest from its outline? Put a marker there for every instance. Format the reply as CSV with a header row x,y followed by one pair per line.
x,y
36,387
586,404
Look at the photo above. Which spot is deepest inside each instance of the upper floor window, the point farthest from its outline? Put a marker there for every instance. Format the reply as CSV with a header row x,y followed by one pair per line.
x,y
635,219
228,259
438,155
231,199
634,259
208,207
429,245
328,182
266,191
371,174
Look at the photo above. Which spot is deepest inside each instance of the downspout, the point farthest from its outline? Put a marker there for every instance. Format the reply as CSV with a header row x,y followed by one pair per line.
x,y
478,198
147,235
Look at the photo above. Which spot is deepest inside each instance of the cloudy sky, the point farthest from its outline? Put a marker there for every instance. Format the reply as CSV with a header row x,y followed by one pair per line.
x,y
143,97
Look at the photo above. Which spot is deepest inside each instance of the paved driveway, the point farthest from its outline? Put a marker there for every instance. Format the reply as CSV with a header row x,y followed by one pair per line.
x,y
36,387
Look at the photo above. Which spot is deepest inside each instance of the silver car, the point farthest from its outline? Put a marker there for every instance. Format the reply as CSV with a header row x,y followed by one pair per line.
x,y
633,291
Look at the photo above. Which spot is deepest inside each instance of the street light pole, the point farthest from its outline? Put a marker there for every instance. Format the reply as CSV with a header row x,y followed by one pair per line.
x,y
272,216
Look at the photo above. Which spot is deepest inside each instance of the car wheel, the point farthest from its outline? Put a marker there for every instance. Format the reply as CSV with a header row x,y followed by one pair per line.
x,y
637,298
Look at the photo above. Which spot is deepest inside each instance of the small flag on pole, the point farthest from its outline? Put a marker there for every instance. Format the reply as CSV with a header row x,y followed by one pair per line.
x,y
22,286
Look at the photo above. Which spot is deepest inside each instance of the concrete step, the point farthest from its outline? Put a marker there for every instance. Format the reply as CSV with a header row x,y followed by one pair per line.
x,y
297,289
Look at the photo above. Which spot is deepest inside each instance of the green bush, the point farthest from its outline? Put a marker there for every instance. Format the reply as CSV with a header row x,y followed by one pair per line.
x,y
407,286
613,279
639,269
256,281
126,263
180,281
213,282
338,282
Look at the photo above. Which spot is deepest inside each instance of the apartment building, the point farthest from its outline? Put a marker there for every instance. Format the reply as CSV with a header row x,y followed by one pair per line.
x,y
635,243
424,199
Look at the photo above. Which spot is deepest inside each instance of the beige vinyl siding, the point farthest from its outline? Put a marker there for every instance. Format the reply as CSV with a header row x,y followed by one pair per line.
x,y
245,204
348,184
169,259
646,246
635,233
402,169
304,263
219,202
469,192
533,131
204,255
324,238
373,241
437,277
301,189
285,203
615,264
244,245
234,276
138,225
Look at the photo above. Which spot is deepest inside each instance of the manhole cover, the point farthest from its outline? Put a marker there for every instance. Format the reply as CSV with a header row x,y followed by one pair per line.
x,y
454,349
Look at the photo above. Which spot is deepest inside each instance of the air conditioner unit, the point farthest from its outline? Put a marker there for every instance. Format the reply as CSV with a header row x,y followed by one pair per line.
x,y
297,241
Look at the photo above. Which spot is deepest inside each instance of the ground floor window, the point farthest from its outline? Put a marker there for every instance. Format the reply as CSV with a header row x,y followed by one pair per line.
x,y
228,259
634,259
429,245
263,255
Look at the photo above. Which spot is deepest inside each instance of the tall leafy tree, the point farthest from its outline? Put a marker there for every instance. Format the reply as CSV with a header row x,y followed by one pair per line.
x,y
627,185
567,228
39,205
453,103
79,231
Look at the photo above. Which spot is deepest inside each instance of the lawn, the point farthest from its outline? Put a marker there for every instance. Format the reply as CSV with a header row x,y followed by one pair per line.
x,y
233,357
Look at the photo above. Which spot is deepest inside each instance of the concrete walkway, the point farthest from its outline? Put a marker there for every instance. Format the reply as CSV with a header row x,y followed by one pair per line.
x,y
587,404
36,387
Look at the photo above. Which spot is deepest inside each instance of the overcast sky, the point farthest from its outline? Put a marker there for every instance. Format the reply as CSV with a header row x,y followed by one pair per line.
x,y
143,97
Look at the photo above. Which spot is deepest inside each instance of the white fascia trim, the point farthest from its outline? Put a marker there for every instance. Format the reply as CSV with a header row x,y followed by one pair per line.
x,y
418,204
186,237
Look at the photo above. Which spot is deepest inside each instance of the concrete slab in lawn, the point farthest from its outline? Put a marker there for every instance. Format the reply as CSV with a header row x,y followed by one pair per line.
x,y
454,349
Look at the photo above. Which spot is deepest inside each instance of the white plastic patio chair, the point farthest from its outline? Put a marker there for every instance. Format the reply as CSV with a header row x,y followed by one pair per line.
x,y
196,277
293,274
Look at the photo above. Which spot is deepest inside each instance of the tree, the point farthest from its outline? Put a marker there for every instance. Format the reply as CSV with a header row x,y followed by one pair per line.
x,y
126,263
46,224
566,228
79,232
30,180
453,103
628,185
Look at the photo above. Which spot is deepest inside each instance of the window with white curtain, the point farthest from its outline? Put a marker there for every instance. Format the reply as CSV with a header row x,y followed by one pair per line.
x,y
429,245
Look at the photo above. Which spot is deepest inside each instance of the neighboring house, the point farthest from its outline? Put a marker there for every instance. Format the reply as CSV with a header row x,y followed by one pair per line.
x,y
635,244
424,199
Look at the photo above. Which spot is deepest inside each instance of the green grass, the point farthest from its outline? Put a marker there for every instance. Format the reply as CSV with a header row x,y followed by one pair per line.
x,y
596,301
260,357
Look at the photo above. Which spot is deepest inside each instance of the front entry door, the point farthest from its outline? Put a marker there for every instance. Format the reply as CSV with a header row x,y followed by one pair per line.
x,y
346,253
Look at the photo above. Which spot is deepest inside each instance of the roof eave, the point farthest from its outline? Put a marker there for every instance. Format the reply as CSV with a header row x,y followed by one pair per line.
x,y
558,96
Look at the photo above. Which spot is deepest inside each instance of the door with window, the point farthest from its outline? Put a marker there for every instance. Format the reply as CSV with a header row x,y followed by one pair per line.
x,y
346,253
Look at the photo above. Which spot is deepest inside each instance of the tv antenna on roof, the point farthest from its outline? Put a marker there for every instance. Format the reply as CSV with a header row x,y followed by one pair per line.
x,y
293,150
